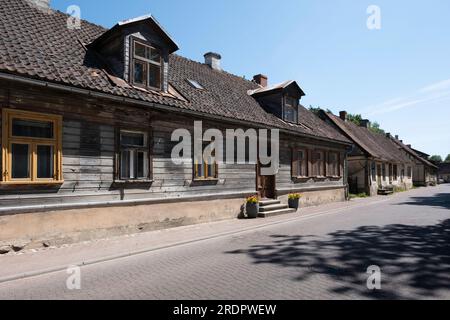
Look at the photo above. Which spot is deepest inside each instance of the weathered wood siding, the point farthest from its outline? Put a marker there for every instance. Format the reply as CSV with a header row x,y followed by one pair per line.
x,y
89,136
286,183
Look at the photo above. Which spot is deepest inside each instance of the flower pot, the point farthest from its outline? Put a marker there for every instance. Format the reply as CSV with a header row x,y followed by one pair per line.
x,y
294,203
252,210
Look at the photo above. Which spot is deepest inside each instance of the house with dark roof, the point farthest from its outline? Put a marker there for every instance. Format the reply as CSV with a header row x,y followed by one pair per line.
x,y
376,165
444,172
88,118
424,172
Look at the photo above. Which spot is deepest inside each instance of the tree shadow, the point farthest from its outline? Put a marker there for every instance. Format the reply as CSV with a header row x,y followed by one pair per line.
x,y
413,258
441,200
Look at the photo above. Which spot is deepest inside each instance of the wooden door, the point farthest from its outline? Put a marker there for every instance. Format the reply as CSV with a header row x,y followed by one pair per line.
x,y
379,175
266,185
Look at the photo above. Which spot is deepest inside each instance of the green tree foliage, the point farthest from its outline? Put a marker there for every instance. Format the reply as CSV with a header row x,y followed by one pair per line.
x,y
447,160
355,118
437,159
375,127
316,110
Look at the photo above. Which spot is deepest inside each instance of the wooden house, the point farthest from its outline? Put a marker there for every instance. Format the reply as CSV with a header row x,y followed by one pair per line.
x,y
87,119
376,165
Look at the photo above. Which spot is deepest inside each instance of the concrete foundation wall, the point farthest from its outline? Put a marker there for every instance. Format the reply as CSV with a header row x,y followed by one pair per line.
x,y
314,198
69,226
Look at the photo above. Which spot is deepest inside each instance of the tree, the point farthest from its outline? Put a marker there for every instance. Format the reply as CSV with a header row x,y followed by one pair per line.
x,y
355,118
447,160
316,110
437,159
375,127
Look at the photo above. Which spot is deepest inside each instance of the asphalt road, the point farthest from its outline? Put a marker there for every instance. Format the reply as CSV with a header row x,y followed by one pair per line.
x,y
326,257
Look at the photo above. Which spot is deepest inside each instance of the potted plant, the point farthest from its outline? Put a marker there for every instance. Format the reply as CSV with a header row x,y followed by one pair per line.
x,y
252,207
294,200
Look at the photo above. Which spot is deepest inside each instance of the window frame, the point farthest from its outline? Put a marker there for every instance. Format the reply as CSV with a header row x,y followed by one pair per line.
x,y
147,62
8,139
294,107
320,173
197,166
146,149
298,164
337,164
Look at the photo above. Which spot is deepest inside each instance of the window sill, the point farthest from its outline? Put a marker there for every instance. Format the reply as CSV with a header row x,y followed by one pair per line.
x,y
31,183
206,180
301,178
122,182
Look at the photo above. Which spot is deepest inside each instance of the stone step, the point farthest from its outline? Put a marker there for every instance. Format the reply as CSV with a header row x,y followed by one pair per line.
x,y
273,207
276,213
264,203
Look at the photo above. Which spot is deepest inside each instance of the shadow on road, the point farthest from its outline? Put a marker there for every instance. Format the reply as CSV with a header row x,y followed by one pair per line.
x,y
441,200
418,257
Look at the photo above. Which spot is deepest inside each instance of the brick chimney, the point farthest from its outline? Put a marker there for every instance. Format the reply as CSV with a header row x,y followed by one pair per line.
x,y
409,146
388,135
364,123
396,137
343,115
261,79
213,60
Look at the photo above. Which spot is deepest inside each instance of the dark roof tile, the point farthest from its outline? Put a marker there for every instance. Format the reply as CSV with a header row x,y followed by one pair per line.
x,y
39,45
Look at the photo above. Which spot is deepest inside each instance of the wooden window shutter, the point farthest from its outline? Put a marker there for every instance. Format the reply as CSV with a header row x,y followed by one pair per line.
x,y
326,161
294,165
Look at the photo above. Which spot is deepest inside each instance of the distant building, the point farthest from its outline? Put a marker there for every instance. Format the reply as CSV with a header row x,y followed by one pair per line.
x,y
376,164
424,171
444,172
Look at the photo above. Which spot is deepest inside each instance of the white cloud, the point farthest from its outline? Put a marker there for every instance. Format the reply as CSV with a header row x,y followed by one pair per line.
x,y
437,87
433,93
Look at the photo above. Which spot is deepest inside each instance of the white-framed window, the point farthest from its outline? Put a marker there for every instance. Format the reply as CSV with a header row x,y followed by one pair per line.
x,y
134,156
146,65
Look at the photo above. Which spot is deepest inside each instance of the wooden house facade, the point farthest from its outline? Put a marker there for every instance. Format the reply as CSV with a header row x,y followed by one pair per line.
x,y
88,117
376,165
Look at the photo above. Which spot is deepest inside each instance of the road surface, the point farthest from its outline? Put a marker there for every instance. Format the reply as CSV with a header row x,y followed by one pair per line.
x,y
407,237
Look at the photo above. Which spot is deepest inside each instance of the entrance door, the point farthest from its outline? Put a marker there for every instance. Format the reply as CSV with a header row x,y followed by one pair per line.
x,y
266,185
379,175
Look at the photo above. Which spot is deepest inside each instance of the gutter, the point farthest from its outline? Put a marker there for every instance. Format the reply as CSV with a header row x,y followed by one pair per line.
x,y
159,107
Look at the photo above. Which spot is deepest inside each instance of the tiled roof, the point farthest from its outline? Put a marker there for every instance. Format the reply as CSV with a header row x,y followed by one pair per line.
x,y
376,145
414,153
444,168
38,45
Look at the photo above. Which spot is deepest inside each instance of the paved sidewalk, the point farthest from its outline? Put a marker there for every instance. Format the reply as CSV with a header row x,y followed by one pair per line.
x,y
34,262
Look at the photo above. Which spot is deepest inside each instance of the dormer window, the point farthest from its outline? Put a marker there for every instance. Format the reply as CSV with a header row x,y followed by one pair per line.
x,y
147,66
290,112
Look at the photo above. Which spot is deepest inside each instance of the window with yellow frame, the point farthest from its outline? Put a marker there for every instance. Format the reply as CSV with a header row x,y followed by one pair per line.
x,y
206,168
31,147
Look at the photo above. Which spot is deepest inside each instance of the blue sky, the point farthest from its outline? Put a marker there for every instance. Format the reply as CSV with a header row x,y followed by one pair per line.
x,y
398,76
